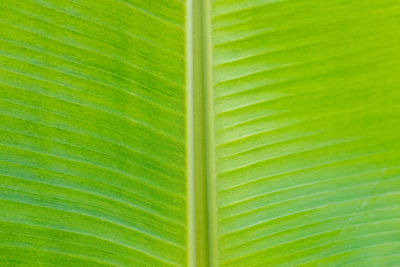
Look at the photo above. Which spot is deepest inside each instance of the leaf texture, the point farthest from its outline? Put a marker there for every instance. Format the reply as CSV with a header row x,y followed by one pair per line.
x,y
307,115
92,133
301,132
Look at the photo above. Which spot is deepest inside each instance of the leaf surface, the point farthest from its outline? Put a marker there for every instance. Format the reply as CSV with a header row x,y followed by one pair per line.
x,y
306,111
92,133
199,133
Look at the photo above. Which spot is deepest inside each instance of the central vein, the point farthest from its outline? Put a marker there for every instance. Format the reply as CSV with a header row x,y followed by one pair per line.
x,y
200,137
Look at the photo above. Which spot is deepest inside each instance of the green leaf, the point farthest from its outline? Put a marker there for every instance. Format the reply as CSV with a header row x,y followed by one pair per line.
x,y
92,156
199,133
307,115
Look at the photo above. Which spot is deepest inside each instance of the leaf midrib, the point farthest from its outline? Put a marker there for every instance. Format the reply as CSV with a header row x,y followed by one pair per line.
x,y
201,209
